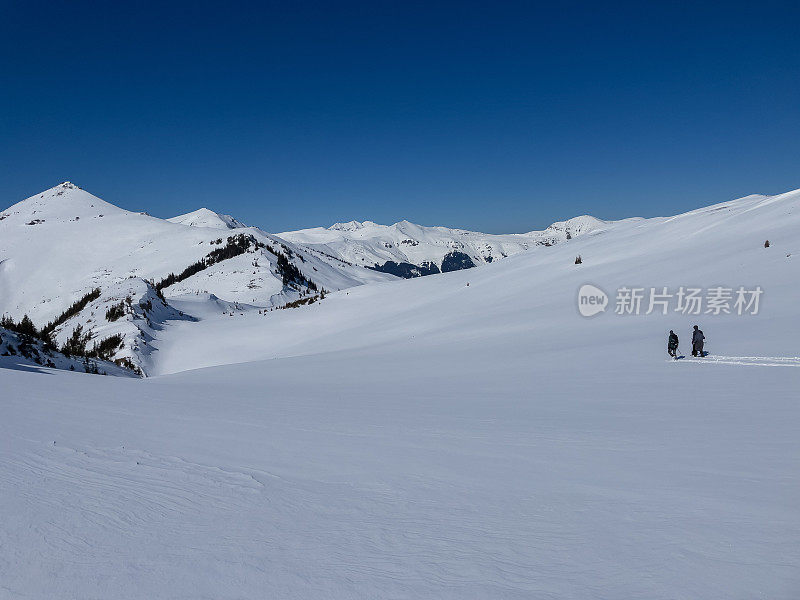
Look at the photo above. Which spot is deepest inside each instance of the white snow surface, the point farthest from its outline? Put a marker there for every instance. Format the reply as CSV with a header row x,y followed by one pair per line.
x,y
203,217
426,438
367,243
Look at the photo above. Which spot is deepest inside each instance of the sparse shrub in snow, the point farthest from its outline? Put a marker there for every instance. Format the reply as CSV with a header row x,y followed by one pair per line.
x,y
578,260
127,363
14,344
158,291
766,244
73,310
290,273
116,311
301,302
235,246
27,349
76,344
106,348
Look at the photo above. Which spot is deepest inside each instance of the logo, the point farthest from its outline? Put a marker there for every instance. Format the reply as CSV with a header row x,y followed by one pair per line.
x,y
591,300
717,300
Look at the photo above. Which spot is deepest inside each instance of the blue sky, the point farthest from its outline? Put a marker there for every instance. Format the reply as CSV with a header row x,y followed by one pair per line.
x,y
495,116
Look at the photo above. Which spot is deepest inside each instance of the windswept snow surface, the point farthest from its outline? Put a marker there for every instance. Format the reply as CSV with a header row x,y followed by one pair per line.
x,y
429,439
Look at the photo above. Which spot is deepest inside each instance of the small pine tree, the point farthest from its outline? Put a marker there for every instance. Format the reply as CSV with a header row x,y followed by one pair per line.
x,y
578,260
116,312
76,344
26,327
766,244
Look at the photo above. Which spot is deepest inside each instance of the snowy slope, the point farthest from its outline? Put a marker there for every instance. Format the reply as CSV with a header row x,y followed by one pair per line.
x,y
368,244
204,217
535,292
60,244
433,439
29,354
57,244
140,315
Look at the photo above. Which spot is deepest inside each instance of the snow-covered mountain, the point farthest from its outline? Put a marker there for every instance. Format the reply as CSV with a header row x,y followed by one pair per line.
x,y
73,262
203,217
58,246
717,245
70,260
410,250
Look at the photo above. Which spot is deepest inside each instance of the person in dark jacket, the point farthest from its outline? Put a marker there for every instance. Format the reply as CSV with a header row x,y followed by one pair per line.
x,y
698,339
672,344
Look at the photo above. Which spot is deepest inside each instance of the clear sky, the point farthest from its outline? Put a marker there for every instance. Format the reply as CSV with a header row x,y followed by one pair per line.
x,y
494,116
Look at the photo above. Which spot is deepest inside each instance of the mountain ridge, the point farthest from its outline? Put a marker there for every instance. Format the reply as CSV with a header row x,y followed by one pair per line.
x,y
420,249
60,244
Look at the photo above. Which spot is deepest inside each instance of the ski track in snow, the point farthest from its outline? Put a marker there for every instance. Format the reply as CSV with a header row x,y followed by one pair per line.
x,y
747,361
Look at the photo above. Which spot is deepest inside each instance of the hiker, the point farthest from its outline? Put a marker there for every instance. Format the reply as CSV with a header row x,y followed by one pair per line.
x,y
697,341
672,344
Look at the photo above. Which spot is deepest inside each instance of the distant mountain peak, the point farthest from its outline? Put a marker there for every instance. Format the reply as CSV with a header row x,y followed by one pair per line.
x,y
61,188
408,249
205,217
356,225
65,201
348,226
575,225
58,190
